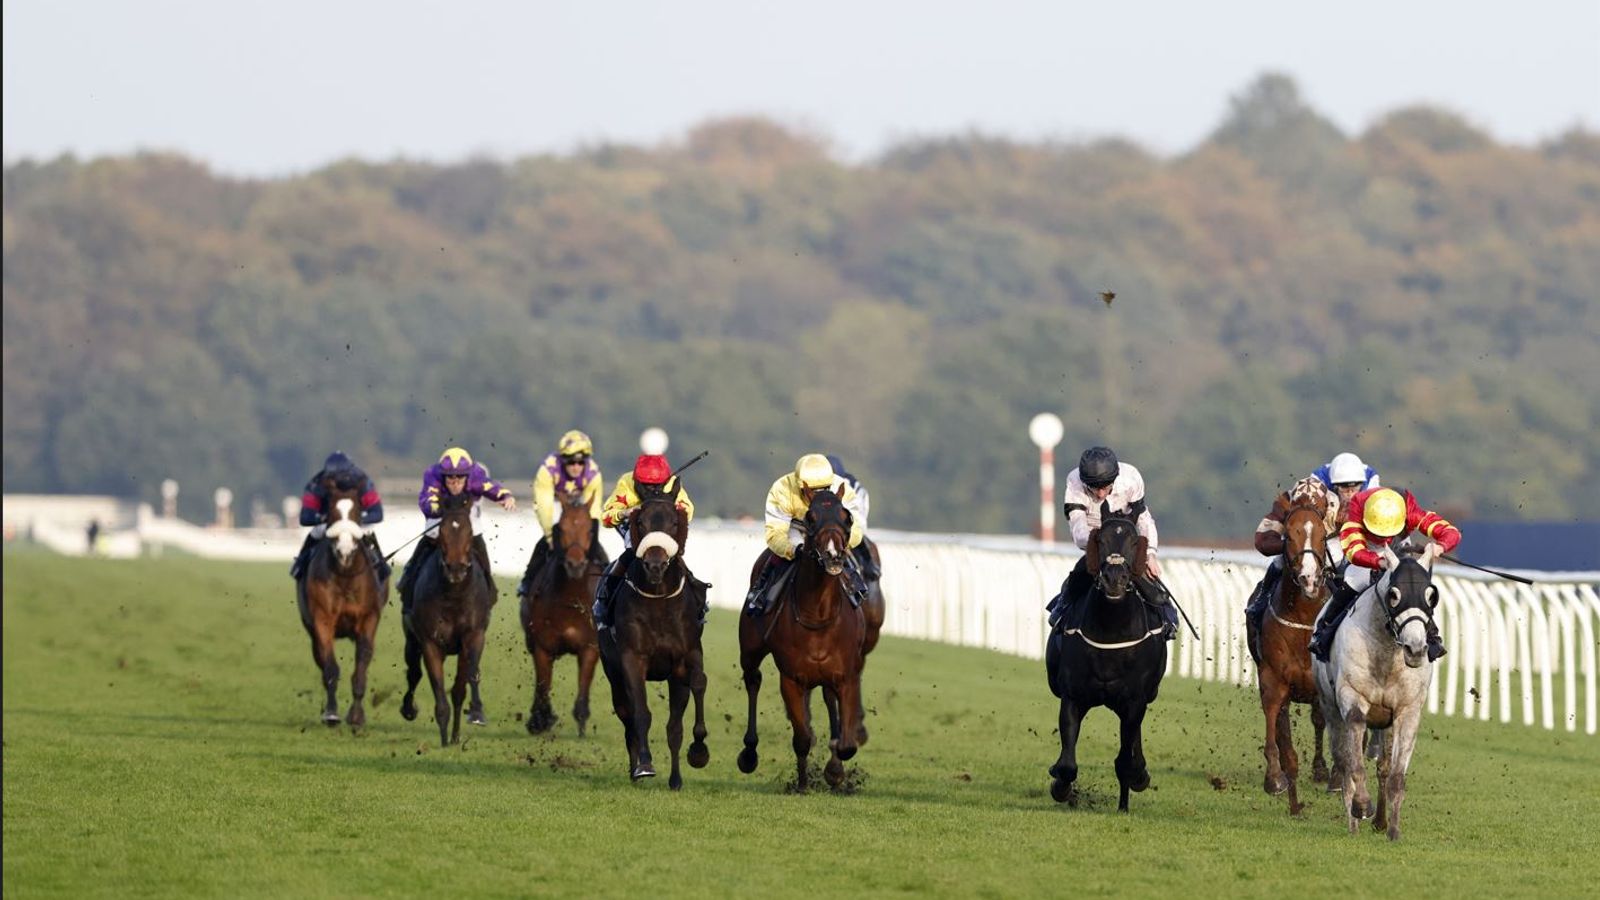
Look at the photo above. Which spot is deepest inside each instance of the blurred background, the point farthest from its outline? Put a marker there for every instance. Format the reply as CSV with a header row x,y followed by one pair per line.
x,y
238,237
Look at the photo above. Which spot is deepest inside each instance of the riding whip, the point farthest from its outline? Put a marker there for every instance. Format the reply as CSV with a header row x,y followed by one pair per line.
x,y
703,455
1506,575
1174,601
406,544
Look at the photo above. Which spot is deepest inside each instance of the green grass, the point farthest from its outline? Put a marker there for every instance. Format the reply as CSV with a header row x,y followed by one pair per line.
x,y
160,738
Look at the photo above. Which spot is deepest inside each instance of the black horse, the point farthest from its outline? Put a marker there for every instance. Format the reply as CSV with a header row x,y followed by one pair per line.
x,y
450,617
657,612
1108,653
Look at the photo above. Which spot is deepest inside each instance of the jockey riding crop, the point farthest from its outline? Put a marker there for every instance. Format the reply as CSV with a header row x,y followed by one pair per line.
x,y
1174,601
1506,575
703,455
407,543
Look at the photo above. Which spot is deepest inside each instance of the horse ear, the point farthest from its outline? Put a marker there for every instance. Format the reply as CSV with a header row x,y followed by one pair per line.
x,y
1105,510
1091,553
840,490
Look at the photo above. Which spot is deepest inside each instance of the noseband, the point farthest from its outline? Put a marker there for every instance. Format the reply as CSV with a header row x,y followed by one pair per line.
x,y
1395,616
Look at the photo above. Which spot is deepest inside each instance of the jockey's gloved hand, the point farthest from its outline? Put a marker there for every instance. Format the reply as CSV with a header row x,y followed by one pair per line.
x,y
319,530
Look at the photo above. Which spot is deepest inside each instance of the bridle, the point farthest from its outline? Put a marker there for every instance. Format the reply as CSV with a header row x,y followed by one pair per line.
x,y
1317,550
1406,610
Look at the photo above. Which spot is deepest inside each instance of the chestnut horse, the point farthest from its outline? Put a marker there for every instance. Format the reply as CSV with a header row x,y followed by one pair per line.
x,y
556,616
817,639
449,617
657,618
1283,662
340,596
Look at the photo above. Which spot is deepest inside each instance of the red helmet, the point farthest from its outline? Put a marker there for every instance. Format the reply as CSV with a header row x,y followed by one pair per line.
x,y
651,469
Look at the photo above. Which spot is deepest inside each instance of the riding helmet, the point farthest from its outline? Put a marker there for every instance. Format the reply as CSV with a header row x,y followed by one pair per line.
x,y
1385,512
455,461
651,468
575,444
1347,468
1098,467
813,471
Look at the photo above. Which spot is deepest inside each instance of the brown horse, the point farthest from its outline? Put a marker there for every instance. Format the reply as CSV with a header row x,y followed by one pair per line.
x,y
556,617
450,616
341,596
657,622
1283,662
816,638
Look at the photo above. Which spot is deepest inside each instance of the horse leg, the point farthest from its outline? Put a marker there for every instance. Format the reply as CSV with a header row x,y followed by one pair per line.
x,y
1319,765
365,645
1357,801
699,754
328,661
634,673
1274,699
678,701
619,705
1394,787
587,657
833,772
434,658
540,715
795,702
458,695
849,706
1132,773
1380,821
408,703
1065,771
750,661
472,660
1289,761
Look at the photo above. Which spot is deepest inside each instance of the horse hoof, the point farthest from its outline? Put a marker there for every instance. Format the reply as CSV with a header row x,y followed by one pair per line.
x,y
847,753
1140,781
408,710
675,781
699,755
748,760
538,723
330,719
1319,774
1275,786
1063,792
476,717
833,773
642,770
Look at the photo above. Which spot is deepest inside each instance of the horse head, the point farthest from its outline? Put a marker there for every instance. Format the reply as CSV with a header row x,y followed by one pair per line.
x,y
1305,546
658,531
827,526
1114,553
1408,600
573,535
455,537
344,521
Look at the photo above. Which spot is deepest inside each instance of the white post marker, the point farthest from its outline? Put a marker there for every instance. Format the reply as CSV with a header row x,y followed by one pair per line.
x,y
653,441
224,501
1046,430
169,499
291,511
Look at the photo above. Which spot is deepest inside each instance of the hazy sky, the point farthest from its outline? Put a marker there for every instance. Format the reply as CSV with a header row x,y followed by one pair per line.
x,y
268,88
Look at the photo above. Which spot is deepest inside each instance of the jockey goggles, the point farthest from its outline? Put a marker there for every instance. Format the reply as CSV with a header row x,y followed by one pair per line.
x,y
574,459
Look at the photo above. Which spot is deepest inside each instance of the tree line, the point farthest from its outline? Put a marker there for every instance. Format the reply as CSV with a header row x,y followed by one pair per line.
x,y
1418,293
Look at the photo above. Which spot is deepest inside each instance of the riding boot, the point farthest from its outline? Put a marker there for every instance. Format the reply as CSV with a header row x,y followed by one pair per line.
x,y
608,587
481,549
375,556
408,577
541,550
1269,582
753,604
298,567
1344,597
854,582
597,553
870,570
1155,596
1435,642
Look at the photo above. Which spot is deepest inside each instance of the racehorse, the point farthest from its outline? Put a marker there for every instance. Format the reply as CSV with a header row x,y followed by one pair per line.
x,y
556,617
449,616
656,615
1283,661
1377,677
1114,658
817,639
340,596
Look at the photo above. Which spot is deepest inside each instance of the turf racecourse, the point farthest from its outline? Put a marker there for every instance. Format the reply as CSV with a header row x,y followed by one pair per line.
x,y
160,738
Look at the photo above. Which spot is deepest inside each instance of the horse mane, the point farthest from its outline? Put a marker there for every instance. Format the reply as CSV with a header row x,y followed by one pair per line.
x,y
452,502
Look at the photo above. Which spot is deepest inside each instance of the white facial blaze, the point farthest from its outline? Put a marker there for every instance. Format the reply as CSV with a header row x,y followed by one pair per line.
x,y
1308,562
833,545
343,529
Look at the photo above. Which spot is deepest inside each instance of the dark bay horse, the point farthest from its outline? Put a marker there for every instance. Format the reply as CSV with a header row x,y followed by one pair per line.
x,y
655,636
1114,658
556,616
341,596
1283,661
816,639
449,617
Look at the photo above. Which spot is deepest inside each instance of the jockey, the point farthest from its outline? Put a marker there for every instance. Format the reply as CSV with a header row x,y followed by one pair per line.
x,y
869,567
1344,476
788,500
572,472
314,511
455,473
1375,519
1100,478
651,476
